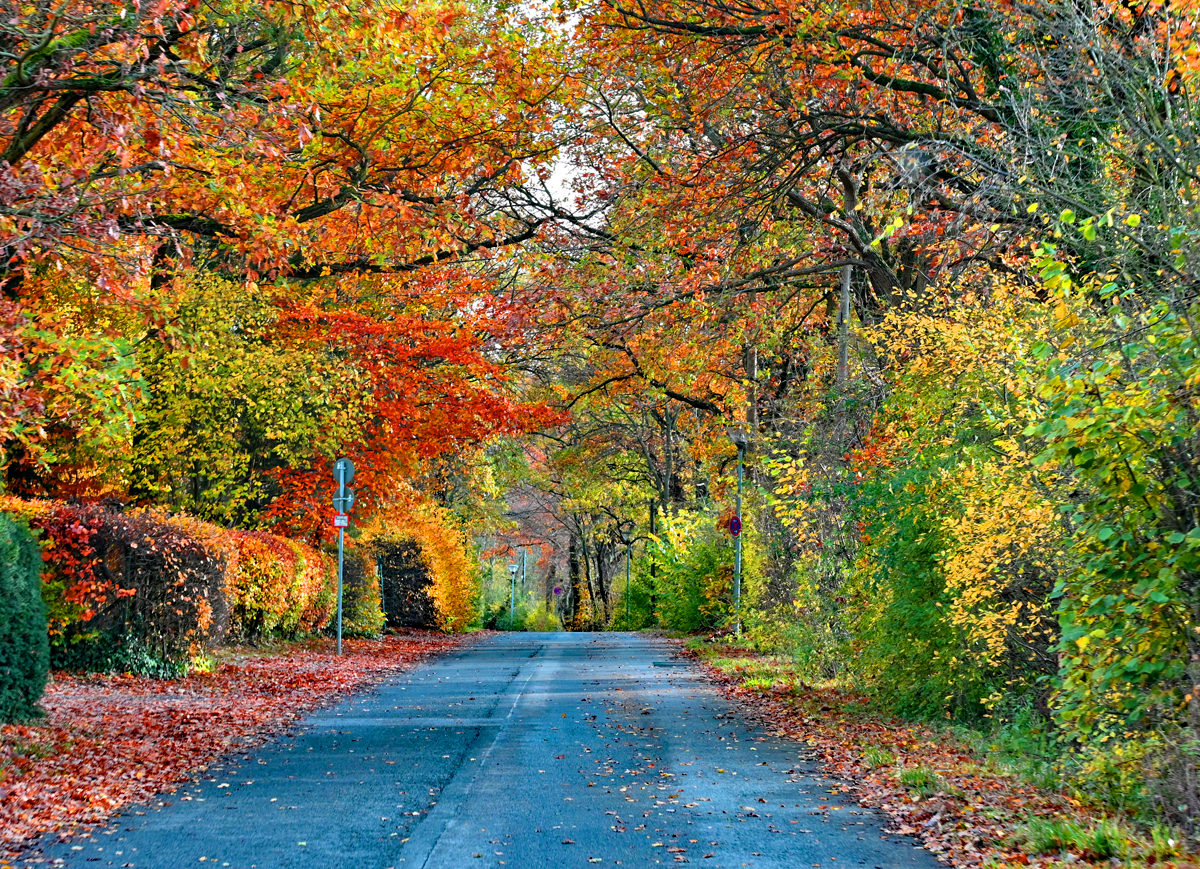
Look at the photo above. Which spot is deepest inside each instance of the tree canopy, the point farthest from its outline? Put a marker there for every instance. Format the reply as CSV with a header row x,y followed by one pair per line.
x,y
530,265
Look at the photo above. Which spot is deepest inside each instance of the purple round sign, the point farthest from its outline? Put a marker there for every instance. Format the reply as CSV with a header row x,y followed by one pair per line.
x,y
735,526
558,589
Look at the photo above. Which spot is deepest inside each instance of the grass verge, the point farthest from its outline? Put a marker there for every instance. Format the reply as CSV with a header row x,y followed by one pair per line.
x,y
974,800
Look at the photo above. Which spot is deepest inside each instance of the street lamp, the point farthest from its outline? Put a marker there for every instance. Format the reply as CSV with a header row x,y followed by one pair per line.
x,y
627,539
740,439
512,605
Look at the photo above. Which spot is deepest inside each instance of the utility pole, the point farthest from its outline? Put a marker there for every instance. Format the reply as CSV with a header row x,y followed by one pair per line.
x,y
844,331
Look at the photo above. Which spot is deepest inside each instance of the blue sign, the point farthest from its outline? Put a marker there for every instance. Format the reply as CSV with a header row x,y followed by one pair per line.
x,y
735,526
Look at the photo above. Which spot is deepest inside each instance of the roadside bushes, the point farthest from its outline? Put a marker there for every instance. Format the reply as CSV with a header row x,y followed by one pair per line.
x,y
144,591
362,604
24,645
443,550
279,586
118,584
694,560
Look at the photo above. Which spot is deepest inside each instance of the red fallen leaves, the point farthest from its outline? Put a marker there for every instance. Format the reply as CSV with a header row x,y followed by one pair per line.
x,y
108,741
965,828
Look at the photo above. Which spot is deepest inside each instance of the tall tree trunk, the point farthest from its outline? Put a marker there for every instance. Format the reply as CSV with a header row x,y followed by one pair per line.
x,y
576,592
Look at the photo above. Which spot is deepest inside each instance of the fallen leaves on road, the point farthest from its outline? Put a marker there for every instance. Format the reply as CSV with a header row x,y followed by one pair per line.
x,y
968,822
111,740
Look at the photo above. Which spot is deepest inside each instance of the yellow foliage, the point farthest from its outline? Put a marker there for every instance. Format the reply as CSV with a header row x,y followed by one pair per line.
x,y
444,550
1000,566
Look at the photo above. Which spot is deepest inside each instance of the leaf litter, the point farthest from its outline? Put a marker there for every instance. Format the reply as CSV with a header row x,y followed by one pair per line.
x,y
109,741
967,817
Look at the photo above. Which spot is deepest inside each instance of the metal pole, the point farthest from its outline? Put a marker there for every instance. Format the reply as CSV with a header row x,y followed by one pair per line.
x,y
737,556
341,561
628,556
653,566
341,555
487,588
523,552
512,604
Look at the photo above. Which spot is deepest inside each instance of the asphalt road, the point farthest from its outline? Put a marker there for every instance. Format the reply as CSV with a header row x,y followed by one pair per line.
x,y
523,750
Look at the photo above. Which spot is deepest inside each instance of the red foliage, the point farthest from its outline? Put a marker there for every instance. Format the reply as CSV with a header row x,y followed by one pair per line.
x,y
430,390
106,567
261,583
114,740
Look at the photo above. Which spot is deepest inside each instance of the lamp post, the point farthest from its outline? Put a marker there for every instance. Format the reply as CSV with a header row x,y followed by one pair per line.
x,y
740,440
512,605
487,588
627,539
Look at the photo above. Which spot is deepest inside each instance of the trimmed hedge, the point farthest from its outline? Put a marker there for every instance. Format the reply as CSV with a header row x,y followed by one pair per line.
x,y
279,586
144,591
24,643
140,591
362,600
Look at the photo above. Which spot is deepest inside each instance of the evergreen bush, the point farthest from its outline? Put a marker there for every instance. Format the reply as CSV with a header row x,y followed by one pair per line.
x,y
24,640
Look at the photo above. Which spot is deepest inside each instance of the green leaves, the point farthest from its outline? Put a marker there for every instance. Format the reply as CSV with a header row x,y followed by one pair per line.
x,y
1126,424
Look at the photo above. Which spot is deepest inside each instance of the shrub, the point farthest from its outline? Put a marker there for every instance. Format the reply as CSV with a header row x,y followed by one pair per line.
x,y
541,619
116,578
694,587
24,642
146,592
278,586
362,602
318,589
915,658
442,549
261,582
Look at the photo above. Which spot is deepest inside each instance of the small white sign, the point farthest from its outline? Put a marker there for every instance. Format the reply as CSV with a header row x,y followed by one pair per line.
x,y
341,520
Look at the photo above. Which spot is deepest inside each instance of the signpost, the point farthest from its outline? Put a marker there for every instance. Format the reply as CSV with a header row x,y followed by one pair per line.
x,y
740,440
343,501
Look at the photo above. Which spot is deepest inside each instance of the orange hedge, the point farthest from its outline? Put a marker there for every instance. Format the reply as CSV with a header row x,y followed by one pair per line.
x,y
172,583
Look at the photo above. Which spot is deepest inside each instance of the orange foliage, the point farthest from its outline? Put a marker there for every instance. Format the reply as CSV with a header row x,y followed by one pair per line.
x,y
444,550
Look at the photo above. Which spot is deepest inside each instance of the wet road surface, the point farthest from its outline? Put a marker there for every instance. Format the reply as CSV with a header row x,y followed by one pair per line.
x,y
522,750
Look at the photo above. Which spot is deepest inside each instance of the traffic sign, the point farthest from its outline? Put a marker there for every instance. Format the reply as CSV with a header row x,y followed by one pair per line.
x,y
557,589
343,500
341,520
735,526
343,471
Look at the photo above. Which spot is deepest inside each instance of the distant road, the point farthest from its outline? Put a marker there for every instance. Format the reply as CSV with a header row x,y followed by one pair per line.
x,y
523,750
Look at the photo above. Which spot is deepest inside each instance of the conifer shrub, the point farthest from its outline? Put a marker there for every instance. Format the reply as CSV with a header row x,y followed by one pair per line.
x,y
24,641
